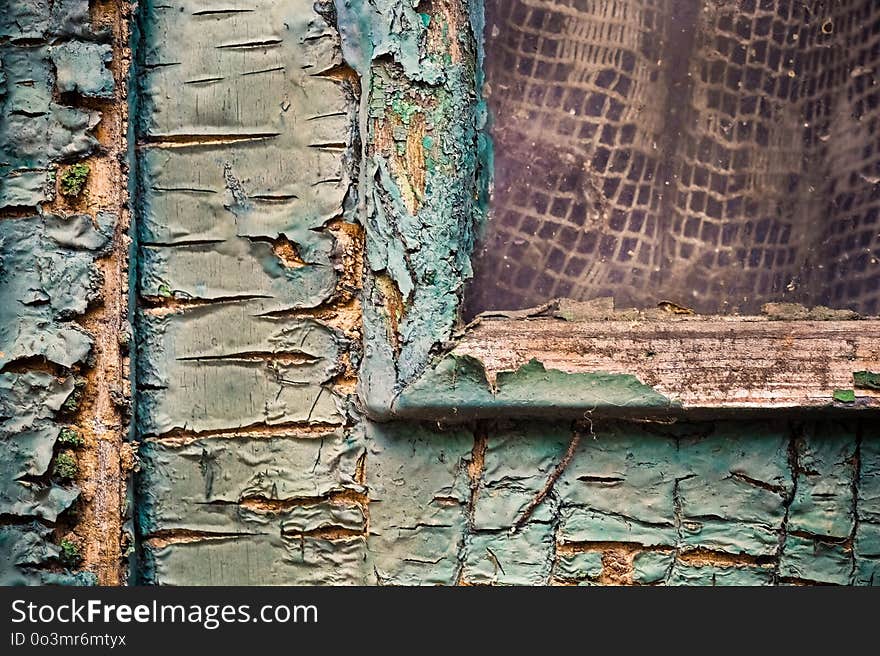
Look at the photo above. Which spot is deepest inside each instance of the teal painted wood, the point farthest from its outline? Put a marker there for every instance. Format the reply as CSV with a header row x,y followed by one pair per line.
x,y
715,503
46,50
304,489
230,495
420,83
457,388
244,133
47,274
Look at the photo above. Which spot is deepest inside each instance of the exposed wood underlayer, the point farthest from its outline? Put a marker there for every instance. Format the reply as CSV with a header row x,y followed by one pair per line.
x,y
256,464
702,363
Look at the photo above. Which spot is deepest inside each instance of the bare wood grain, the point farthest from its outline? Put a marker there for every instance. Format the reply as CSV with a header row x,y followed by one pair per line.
x,y
703,363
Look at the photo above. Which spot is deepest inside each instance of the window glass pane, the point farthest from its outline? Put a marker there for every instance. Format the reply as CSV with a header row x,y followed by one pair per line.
x,y
717,154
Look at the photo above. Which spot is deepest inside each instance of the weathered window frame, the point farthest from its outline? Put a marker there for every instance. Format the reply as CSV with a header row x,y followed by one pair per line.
x,y
423,195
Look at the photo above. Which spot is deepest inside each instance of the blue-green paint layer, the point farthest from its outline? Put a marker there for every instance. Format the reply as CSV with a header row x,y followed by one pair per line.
x,y
457,388
47,279
250,468
720,503
50,56
504,501
423,188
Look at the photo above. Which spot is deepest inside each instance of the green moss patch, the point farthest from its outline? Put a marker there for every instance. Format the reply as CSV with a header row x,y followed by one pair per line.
x,y
70,437
73,180
65,467
70,554
866,380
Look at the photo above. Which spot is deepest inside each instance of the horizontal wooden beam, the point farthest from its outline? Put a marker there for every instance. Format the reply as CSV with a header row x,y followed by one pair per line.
x,y
699,363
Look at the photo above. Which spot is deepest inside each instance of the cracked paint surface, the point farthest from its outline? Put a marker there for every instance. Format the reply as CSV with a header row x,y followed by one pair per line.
x,y
253,510
242,127
47,48
212,368
457,387
54,71
258,467
258,133
423,177
47,278
722,503
251,470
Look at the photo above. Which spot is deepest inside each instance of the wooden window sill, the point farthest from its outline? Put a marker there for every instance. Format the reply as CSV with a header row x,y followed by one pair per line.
x,y
680,366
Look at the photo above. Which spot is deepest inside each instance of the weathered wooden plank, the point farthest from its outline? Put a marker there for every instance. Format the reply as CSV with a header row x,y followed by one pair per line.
x,y
698,363
207,484
63,280
243,135
266,558
241,163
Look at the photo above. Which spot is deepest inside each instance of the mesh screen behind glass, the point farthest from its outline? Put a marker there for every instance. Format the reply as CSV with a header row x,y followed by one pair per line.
x,y
717,153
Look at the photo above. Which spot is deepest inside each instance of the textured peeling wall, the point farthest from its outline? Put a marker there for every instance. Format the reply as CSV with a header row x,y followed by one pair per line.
x,y
524,503
251,468
63,299
423,177
257,465
265,138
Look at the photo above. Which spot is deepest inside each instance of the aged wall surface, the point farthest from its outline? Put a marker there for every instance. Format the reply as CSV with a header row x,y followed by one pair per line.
x,y
64,331
257,463
301,240
251,468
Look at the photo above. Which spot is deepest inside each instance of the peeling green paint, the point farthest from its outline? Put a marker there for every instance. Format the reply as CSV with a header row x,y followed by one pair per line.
x,y
47,280
579,566
732,488
48,277
709,575
52,58
200,486
507,558
28,403
699,491
355,501
419,488
518,461
371,30
42,19
244,158
36,130
425,252
82,68
457,387
652,566
866,380
258,559
219,187
210,367
816,560
25,553
248,173
823,501
866,545
844,396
